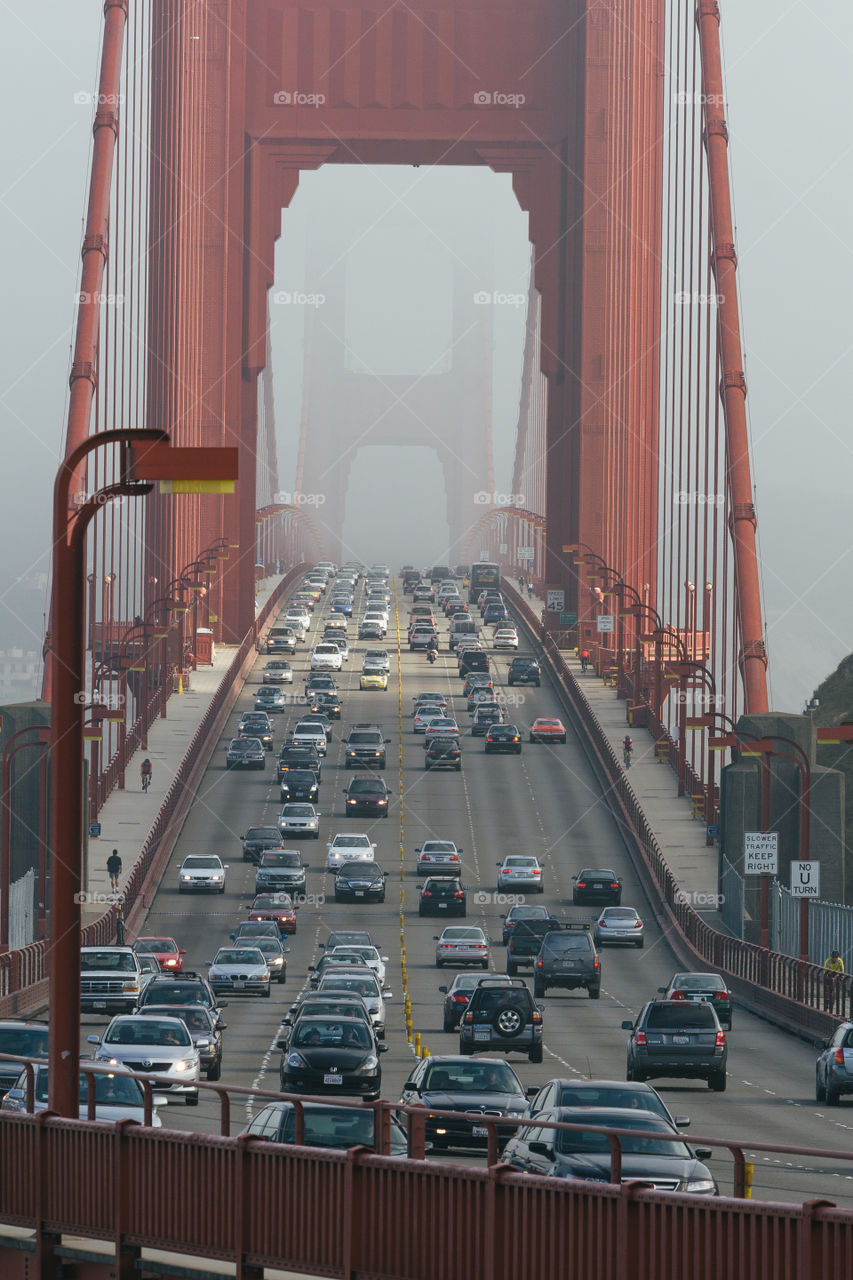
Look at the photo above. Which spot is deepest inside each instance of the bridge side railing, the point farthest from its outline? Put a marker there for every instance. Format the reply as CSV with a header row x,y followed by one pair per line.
x,y
23,973
805,998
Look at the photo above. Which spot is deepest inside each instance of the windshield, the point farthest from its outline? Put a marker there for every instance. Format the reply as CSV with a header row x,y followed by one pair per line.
x,y
698,981
566,942
195,1019
598,1142
438,846
165,946
612,1096
242,956
111,1090
300,778
26,1041
147,1031
463,935
520,862
117,961
472,1077
361,986
298,811
202,864
334,1034
363,737
281,860
686,1016
357,788
351,842
262,833
188,993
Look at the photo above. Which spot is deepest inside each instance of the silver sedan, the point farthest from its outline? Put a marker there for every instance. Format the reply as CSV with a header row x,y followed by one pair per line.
x,y
462,944
619,924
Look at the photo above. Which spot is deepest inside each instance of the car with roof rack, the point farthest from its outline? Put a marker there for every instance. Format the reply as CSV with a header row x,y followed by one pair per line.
x,y
501,1014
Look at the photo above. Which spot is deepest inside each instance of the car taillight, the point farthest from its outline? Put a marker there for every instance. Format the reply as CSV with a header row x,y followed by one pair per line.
x,y
459,893
453,858
602,924
677,995
614,884
537,872
537,1017
426,893
538,964
581,884
596,964
721,995
640,1037
638,924
479,946
838,1056
721,1039
459,999
469,1017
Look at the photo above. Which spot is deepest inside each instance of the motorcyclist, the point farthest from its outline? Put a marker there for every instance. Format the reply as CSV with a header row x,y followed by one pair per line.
x,y
432,650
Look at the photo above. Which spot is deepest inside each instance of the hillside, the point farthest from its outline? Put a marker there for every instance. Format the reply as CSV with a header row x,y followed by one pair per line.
x,y
835,696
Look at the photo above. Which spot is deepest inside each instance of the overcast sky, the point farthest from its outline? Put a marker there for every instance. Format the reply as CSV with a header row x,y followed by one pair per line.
x,y
790,91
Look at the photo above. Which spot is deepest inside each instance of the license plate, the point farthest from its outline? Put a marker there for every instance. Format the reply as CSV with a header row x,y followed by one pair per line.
x,y
480,1131
332,1077
598,886
481,1035
99,1004
239,983
681,1039
359,893
442,906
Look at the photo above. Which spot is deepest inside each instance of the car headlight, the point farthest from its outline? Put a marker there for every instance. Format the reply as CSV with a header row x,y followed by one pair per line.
x,y
186,879
216,877
370,1064
296,1060
279,960
180,1065
265,977
700,1185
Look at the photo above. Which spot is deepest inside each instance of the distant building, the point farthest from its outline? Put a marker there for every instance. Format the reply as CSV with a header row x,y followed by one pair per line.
x,y
20,675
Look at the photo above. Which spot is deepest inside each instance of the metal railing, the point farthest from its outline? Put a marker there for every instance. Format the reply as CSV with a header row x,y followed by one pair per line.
x,y
25,968
830,926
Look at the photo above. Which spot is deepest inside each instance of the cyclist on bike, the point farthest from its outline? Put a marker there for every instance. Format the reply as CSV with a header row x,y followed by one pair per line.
x,y
145,771
584,659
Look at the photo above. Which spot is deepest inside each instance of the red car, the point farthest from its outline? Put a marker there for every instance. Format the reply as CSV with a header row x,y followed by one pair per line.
x,y
168,954
547,729
275,906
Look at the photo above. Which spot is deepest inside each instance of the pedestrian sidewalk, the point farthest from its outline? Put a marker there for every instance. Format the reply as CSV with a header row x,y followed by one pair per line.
x,y
127,816
694,864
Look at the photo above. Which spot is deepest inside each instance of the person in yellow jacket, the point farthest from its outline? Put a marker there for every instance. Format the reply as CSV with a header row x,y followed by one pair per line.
x,y
834,962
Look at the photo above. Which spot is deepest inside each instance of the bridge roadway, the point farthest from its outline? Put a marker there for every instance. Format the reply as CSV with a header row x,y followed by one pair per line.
x,y
546,801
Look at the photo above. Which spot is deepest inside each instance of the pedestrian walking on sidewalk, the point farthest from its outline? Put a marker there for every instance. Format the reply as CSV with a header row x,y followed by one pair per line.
x,y
114,869
145,771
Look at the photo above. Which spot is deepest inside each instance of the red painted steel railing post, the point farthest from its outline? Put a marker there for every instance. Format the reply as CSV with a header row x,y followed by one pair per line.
x,y
246,1193
126,1255
46,1265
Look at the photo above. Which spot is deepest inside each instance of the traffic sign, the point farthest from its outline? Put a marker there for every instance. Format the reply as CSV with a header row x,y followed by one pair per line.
x,y
604,622
94,830
525,553
805,879
568,619
761,853
484,556
556,599
502,549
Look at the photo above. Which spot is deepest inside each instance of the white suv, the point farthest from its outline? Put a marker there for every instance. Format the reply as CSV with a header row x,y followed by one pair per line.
x,y
202,871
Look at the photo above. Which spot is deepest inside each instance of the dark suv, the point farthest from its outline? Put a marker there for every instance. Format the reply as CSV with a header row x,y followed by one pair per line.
x,y
567,958
180,988
524,671
523,943
257,840
365,748
443,753
680,1038
299,757
442,896
473,660
501,1015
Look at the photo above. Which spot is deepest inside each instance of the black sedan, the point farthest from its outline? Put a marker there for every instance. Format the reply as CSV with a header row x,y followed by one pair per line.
x,y
257,840
326,703
597,884
360,881
325,1125
657,1155
503,737
299,784
245,753
331,1055
367,795
473,1087
442,896
443,753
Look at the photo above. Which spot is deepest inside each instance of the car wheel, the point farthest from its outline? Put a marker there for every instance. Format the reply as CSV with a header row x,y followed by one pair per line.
x,y
465,1049
191,1099
180,888
282,978
563,739
530,738
222,890
448,1024
633,1074
832,1097
439,964
819,1089
426,765
214,1072
717,1081
595,993
464,911
459,768
535,1054
485,964
538,988
509,1023
511,968
639,944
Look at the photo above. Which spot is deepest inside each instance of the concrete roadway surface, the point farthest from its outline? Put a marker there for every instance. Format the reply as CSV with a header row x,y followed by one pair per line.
x,y
546,802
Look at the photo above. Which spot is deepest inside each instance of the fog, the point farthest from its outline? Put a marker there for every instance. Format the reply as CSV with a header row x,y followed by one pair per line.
x,y
790,102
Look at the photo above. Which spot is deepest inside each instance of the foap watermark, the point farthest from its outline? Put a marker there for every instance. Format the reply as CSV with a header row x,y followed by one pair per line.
x,y
509,699
688,498
84,98
686,99
484,899
96,899
112,701
286,499
694,898
100,299
494,298
497,98
484,499
696,299
297,98
82,496
700,699
295,298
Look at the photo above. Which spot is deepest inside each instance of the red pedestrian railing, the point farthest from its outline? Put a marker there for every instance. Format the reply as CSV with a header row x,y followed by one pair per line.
x,y
803,996
23,972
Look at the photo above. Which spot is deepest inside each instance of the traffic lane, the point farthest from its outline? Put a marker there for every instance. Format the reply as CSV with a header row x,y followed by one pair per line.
x,y
586,1038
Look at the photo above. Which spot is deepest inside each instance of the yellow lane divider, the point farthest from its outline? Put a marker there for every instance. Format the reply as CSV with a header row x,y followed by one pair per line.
x,y
414,1037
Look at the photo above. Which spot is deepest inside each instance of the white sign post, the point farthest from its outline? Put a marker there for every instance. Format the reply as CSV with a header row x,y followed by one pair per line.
x,y
761,853
805,879
502,549
604,622
556,600
524,554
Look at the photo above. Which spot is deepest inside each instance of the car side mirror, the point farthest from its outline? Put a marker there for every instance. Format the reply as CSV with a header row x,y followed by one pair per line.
x,y
221,1026
223,1004
384,959
414,1088
282,1044
627,1026
682,1122
539,1148
382,1047
703,1153
532,1091
93,1039
503,917
443,990
435,937
662,991
388,994
202,1044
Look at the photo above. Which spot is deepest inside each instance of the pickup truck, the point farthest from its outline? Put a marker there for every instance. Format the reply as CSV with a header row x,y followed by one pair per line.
x,y
111,979
524,942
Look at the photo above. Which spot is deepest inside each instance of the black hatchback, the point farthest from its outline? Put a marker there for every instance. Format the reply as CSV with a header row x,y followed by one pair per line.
x,y
442,896
367,795
443,753
524,671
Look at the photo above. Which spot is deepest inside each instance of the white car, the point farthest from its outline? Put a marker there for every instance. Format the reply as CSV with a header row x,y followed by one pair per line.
x,y
424,718
379,656
298,819
441,727
310,734
349,846
240,968
297,622
360,982
360,954
505,638
380,618
162,1046
326,657
441,856
462,944
117,1096
520,871
202,871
